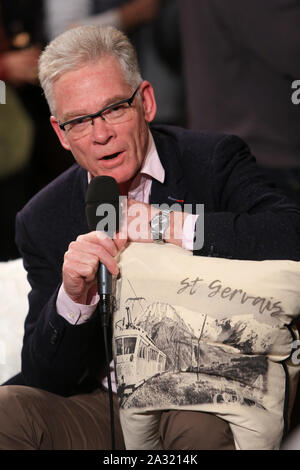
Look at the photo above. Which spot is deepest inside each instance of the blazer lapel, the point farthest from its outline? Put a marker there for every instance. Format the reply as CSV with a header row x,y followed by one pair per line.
x,y
173,189
80,184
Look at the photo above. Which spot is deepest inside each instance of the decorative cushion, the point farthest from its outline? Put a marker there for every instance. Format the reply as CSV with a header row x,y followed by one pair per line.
x,y
205,334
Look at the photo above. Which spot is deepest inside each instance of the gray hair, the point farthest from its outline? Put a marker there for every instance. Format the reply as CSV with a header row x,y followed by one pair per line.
x,y
78,46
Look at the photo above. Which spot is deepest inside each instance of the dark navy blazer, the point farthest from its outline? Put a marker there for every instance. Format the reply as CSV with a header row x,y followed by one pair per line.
x,y
245,218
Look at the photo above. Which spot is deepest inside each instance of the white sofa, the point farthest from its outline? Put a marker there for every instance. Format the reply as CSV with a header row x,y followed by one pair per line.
x,y
14,288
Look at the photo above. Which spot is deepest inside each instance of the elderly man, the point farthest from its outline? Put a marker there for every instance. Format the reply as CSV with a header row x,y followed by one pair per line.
x,y
101,110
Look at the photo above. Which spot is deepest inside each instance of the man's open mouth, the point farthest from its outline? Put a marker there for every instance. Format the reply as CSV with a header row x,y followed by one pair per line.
x,y
110,157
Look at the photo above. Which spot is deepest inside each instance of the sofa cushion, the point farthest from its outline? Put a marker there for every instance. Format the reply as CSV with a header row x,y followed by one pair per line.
x,y
205,334
14,289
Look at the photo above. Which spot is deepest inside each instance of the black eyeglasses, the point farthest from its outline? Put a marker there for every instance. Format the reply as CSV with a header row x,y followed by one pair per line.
x,y
112,114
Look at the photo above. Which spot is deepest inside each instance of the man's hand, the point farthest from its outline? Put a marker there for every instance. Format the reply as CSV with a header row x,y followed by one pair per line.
x,y
83,256
81,264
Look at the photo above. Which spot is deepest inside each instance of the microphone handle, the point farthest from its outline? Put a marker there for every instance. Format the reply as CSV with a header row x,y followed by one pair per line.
x,y
104,280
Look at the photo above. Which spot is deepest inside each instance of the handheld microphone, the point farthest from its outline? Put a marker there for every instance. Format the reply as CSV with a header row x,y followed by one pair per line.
x,y
103,212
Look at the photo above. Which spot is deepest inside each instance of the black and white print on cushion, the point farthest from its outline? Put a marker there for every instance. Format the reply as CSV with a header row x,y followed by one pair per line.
x,y
204,334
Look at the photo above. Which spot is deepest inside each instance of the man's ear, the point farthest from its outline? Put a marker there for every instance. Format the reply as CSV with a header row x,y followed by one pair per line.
x,y
60,133
148,100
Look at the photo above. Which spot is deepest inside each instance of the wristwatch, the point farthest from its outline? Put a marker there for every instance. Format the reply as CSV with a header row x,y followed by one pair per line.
x,y
159,225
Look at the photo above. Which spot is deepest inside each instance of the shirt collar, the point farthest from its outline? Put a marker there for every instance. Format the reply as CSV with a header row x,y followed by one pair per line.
x,y
152,165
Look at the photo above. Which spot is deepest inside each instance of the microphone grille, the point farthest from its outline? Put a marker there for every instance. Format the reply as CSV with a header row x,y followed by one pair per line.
x,y
103,191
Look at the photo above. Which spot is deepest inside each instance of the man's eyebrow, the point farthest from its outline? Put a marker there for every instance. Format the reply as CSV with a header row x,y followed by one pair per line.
x,y
74,114
108,102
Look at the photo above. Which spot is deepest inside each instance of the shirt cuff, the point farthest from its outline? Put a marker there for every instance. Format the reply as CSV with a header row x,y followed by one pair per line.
x,y
74,313
188,232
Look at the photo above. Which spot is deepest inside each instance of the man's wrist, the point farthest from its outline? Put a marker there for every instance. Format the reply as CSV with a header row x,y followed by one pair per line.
x,y
181,229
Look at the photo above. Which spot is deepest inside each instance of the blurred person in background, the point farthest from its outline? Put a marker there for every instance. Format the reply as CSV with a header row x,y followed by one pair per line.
x,y
240,60
18,68
153,28
30,161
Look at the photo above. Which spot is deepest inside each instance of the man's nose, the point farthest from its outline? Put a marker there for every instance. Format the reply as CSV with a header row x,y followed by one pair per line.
x,y
102,132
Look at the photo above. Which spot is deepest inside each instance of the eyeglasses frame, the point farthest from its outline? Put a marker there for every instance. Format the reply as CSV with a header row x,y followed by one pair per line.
x,y
98,113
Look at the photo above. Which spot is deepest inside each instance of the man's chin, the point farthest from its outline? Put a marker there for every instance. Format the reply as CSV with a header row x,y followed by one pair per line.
x,y
121,176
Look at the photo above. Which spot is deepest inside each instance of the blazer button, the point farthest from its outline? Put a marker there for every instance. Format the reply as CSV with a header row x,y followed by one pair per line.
x,y
54,336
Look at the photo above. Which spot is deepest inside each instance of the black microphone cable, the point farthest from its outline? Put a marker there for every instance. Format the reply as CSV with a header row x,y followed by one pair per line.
x,y
105,313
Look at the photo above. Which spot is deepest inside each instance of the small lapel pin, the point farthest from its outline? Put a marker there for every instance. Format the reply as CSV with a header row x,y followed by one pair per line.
x,y
176,200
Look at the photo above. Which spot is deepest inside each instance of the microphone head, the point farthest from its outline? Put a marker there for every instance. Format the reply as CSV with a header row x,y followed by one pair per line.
x,y
102,205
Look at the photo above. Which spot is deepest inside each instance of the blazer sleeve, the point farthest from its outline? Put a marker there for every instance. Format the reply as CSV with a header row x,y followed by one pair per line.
x,y
56,356
248,218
